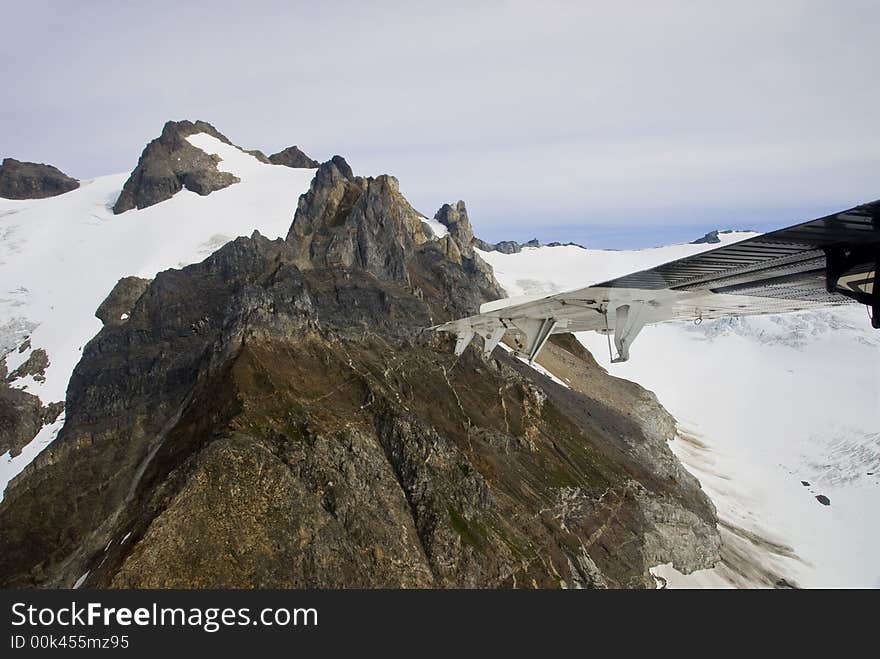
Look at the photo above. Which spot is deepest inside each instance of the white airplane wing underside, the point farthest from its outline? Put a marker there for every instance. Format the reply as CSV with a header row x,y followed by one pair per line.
x,y
828,261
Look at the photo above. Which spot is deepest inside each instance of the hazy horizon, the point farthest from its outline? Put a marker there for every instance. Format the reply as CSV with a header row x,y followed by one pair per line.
x,y
624,126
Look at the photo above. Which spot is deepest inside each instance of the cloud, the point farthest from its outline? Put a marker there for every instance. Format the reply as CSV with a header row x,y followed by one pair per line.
x,y
579,114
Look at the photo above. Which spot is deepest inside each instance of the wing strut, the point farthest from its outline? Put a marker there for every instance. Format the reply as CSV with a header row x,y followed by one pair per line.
x,y
491,339
628,322
462,340
536,331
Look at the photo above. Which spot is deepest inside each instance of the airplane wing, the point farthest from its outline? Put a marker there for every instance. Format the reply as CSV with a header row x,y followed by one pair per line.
x,y
824,262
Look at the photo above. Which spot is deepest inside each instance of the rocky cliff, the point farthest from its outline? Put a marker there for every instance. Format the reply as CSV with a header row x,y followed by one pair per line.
x,y
30,180
279,415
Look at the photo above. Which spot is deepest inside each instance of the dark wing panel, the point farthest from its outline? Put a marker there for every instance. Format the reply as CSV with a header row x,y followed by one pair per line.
x,y
812,261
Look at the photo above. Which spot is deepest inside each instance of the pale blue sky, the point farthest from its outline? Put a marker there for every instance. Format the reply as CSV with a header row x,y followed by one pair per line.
x,y
626,125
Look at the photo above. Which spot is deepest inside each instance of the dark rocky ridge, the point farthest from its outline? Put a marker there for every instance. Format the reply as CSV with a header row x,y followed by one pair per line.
x,y
712,237
277,416
554,244
513,247
455,218
30,180
21,413
170,163
293,157
510,246
117,306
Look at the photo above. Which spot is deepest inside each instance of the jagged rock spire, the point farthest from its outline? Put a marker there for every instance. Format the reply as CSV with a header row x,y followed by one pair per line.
x,y
353,221
455,218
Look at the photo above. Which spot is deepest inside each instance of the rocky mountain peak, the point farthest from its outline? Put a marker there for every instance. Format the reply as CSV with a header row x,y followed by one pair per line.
x,y
455,218
292,156
352,221
174,132
170,163
30,180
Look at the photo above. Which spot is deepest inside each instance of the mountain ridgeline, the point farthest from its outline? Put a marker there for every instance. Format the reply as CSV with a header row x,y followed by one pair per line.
x,y
30,180
279,415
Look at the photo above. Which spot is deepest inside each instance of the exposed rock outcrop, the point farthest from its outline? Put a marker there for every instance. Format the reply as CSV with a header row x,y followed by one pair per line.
x,y
35,366
293,157
568,244
455,218
30,180
170,163
347,221
513,247
506,247
116,307
674,531
713,237
458,245
21,413
278,416
710,238
21,417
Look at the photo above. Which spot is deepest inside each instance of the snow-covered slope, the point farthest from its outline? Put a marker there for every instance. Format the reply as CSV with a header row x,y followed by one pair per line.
x,y
763,404
60,257
548,270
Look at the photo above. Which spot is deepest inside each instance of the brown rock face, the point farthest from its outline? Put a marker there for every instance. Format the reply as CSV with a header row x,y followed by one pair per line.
x,y
278,416
170,163
30,180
